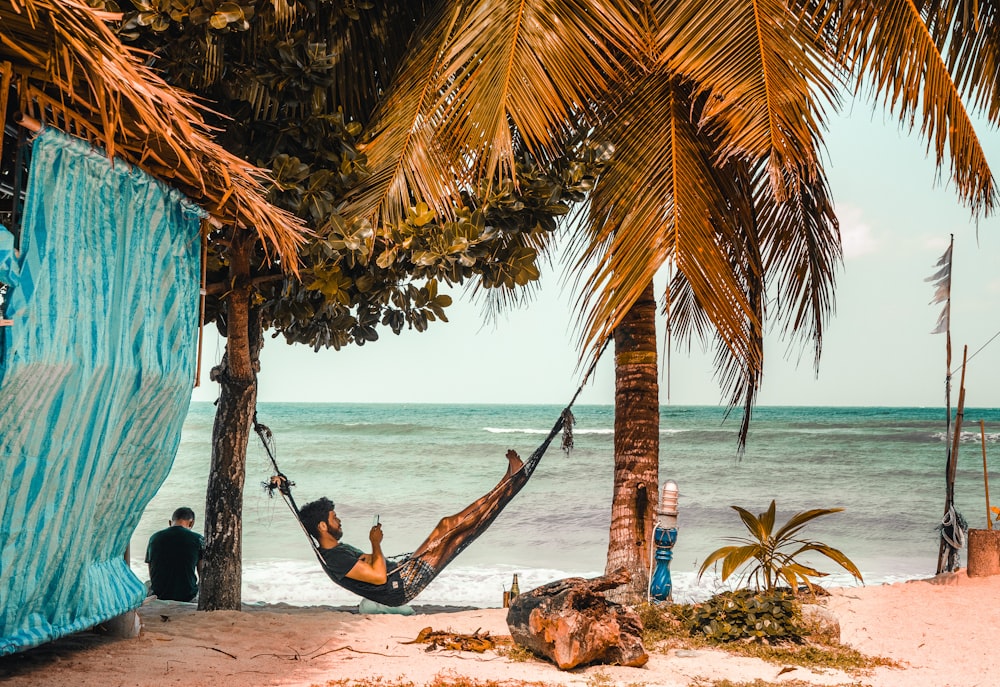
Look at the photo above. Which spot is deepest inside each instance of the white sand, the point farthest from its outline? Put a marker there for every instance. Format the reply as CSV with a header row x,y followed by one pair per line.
x,y
945,632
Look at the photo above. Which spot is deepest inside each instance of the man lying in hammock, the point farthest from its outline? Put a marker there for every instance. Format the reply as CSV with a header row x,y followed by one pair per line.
x,y
395,581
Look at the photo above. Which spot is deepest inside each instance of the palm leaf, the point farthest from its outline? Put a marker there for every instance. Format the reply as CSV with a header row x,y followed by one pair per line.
x,y
662,200
767,79
767,520
800,239
757,527
796,571
740,376
732,557
530,68
406,165
833,554
968,33
895,56
483,80
799,520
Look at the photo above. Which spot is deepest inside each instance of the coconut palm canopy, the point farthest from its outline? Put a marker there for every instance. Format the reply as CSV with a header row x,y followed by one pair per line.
x,y
68,70
717,111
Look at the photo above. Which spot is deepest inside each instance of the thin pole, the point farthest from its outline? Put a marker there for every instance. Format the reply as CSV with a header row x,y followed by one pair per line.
x,y
986,477
947,555
201,307
942,556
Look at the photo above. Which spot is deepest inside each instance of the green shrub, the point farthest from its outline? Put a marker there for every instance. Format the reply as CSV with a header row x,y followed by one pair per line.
x,y
766,616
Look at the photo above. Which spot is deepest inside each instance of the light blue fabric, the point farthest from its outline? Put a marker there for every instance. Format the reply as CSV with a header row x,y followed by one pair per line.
x,y
95,380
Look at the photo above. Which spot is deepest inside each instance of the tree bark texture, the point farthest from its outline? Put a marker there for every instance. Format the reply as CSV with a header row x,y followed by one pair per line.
x,y
222,575
637,449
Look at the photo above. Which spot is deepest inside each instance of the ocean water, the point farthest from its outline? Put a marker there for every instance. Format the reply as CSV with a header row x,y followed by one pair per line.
x,y
413,464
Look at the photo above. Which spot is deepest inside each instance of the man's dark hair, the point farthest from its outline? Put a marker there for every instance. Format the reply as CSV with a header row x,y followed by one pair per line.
x,y
183,513
313,513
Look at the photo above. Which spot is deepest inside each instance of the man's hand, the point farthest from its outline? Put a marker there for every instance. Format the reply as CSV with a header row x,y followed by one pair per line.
x,y
371,566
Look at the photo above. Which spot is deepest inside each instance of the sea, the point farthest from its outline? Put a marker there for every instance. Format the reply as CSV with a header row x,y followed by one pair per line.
x,y
411,465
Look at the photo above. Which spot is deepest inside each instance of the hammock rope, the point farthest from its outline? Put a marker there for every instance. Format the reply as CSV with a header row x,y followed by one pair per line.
x,y
452,534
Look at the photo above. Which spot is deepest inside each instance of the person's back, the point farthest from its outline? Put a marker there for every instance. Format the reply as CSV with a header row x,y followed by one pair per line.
x,y
173,555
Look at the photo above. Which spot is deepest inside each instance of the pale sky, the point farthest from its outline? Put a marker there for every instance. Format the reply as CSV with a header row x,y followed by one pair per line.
x,y
878,351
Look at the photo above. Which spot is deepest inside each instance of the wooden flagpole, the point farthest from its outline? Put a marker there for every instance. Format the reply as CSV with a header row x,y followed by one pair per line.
x,y
947,553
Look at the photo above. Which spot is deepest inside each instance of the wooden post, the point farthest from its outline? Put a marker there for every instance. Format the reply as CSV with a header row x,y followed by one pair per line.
x,y
948,556
986,477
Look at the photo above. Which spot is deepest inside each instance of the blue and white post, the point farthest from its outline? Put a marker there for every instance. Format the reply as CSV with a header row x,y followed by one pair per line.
x,y
664,537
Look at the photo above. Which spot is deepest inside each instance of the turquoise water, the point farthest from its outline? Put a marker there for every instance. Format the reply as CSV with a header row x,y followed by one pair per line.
x,y
413,464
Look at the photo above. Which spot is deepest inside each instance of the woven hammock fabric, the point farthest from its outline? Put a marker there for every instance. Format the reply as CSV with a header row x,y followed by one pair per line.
x,y
95,380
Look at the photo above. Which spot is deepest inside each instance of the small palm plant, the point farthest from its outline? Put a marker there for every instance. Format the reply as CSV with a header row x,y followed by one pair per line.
x,y
773,556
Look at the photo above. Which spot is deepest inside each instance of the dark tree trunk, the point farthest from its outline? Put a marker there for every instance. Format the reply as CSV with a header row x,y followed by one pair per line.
x,y
222,575
637,448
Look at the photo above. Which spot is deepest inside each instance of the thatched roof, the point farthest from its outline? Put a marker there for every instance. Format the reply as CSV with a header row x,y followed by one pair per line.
x,y
68,70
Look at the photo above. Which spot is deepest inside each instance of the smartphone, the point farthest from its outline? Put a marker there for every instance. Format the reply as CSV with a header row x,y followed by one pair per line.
x,y
375,520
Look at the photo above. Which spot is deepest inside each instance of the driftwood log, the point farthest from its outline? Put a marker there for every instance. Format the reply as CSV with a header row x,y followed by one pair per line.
x,y
570,623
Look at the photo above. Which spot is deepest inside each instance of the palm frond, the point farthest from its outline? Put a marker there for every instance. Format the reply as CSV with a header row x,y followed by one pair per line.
x,y
687,320
662,200
968,34
895,57
800,241
740,375
757,525
766,77
835,555
405,163
799,520
793,572
732,558
370,49
525,69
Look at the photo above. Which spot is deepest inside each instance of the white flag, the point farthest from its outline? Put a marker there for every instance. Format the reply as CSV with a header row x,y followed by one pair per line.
x,y
942,290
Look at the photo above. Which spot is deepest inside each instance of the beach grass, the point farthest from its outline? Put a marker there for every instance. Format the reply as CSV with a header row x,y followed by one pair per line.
x,y
664,629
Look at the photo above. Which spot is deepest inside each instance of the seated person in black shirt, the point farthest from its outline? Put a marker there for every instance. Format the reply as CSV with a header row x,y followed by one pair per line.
x,y
174,556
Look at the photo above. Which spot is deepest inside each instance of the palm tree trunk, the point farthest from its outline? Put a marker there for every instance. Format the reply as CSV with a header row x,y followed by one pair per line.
x,y
222,574
637,448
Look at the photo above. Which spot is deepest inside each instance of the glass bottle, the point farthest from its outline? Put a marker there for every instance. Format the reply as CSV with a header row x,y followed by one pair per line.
x,y
514,588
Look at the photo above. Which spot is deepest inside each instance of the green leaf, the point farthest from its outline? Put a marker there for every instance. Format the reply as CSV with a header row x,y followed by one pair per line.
x,y
230,11
420,215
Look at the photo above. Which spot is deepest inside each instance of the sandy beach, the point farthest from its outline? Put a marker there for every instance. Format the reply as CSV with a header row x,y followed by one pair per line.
x,y
942,631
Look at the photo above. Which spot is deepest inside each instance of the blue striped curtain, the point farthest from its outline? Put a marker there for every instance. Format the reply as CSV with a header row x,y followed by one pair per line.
x,y
95,380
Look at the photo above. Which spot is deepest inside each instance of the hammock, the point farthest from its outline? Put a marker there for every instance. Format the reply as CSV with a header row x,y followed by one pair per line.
x,y
452,534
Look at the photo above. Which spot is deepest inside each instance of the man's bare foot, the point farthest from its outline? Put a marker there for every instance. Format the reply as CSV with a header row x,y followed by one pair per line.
x,y
515,462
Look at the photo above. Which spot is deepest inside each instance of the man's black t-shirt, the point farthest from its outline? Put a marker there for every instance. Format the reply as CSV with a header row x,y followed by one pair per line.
x,y
172,555
339,561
